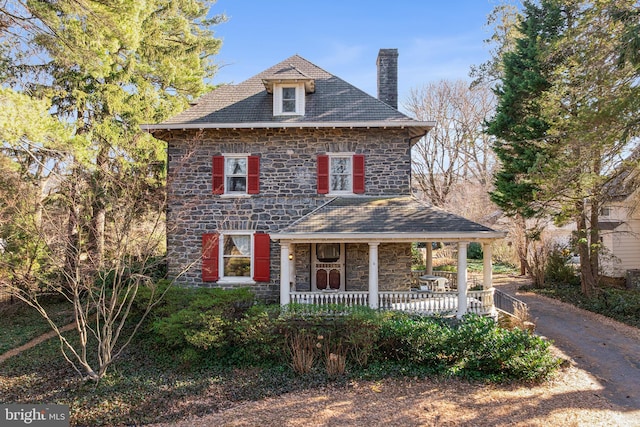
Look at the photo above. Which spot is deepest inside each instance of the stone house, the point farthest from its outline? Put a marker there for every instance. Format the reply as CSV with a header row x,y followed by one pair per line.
x,y
297,184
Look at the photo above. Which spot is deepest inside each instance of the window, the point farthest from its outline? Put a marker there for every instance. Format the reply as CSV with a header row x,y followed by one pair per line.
x,y
605,211
236,256
288,100
341,173
236,174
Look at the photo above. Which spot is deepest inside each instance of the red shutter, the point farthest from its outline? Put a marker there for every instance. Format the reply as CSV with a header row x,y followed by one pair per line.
x,y
261,257
210,245
358,173
253,175
218,175
323,174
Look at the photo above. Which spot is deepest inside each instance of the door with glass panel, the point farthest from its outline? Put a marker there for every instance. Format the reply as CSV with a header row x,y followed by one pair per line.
x,y
327,266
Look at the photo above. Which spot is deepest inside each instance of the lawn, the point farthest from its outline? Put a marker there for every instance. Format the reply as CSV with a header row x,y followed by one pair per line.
x,y
22,323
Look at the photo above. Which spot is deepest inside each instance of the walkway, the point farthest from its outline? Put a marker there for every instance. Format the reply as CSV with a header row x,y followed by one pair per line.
x,y
607,349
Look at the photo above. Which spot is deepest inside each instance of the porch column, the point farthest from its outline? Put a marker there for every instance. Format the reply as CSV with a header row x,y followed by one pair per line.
x,y
373,274
429,258
487,266
285,275
462,279
292,267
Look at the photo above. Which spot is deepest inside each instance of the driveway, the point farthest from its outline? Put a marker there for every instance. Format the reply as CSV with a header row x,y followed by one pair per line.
x,y
607,349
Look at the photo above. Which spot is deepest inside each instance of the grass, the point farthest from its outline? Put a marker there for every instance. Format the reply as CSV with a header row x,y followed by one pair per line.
x,y
477,266
22,323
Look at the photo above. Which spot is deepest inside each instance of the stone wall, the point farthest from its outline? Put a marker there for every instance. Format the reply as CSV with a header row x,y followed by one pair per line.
x,y
287,184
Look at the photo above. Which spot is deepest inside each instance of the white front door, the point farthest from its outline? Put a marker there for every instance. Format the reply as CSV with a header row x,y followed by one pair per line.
x,y
327,271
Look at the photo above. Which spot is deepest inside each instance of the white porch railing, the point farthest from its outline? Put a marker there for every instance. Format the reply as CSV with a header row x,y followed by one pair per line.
x,y
349,299
427,303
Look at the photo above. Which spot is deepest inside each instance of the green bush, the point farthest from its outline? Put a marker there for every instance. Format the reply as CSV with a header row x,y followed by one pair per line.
x,y
474,250
219,327
200,317
558,271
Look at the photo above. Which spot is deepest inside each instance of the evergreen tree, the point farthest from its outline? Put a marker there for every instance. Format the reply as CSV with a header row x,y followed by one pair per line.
x,y
518,124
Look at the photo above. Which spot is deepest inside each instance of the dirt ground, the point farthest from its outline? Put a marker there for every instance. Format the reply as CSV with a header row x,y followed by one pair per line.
x,y
574,397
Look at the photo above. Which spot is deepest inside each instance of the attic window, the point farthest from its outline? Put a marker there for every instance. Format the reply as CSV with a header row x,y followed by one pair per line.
x,y
288,99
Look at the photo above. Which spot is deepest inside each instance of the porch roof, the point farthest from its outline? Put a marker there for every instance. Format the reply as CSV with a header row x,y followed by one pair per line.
x,y
384,219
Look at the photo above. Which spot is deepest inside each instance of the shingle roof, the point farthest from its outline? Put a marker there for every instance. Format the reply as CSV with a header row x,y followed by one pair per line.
x,y
333,102
384,215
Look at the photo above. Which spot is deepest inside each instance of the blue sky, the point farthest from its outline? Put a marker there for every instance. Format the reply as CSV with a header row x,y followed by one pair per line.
x,y
436,39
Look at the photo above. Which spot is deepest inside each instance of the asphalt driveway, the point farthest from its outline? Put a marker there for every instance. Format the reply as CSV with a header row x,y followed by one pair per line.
x,y
608,350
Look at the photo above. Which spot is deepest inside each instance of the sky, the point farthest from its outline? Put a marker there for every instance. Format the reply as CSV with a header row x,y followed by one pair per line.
x,y
436,39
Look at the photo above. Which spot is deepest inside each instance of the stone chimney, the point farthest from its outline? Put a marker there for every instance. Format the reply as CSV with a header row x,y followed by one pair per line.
x,y
387,65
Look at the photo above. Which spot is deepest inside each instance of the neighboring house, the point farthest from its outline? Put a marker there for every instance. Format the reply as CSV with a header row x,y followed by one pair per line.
x,y
620,225
297,184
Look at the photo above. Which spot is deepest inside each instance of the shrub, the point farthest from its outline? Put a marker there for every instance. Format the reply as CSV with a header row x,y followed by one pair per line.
x,y
201,317
558,271
474,250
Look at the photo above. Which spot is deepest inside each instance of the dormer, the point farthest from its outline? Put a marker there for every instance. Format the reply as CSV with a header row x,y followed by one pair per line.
x,y
289,86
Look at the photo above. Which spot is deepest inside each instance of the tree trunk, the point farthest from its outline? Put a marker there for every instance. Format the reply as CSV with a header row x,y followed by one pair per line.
x,y
587,279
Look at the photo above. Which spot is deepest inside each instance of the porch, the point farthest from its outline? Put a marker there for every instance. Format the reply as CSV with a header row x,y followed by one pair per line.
x,y
357,252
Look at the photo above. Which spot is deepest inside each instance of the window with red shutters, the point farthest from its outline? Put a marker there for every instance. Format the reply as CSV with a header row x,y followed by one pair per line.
x,y
210,252
341,173
261,257
233,174
323,174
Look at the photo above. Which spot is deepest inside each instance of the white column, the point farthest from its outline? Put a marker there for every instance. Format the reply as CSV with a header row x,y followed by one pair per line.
x,y
292,267
487,266
373,274
462,279
429,258
285,275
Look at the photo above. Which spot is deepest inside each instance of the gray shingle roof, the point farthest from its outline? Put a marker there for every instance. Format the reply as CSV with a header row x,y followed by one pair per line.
x,y
334,101
384,215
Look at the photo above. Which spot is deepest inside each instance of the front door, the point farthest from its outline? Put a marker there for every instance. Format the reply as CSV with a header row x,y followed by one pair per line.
x,y
327,266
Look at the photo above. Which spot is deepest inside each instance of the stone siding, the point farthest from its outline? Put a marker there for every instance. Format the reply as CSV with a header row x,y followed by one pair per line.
x,y
287,184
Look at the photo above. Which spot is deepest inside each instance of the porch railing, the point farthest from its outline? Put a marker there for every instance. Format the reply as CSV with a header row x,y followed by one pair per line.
x,y
428,303
349,299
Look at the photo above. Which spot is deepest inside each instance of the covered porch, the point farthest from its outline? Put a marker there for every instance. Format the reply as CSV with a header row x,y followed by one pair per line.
x,y
357,252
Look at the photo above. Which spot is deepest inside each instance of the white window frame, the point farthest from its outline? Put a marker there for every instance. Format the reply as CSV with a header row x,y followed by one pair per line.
x,y
333,156
221,258
227,187
605,211
278,99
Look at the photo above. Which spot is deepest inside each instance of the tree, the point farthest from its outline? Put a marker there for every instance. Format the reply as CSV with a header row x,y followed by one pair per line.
x,y
518,124
456,151
105,67
566,114
592,107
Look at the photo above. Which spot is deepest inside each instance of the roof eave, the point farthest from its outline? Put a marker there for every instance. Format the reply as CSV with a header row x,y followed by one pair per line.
x,y
457,236
419,128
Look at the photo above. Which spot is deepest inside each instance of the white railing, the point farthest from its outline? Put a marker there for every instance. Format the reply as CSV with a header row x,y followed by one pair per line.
x,y
444,303
349,299
428,303
480,302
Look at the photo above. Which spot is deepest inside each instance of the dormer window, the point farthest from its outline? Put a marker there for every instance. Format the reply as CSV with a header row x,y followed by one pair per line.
x,y
288,99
